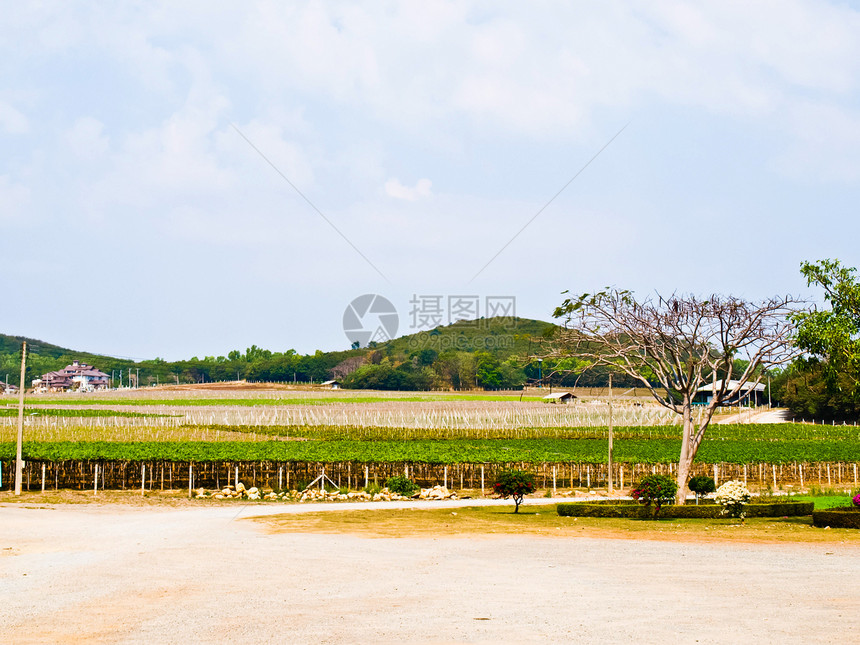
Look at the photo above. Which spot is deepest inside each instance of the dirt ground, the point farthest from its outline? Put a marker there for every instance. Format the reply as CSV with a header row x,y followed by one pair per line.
x,y
125,574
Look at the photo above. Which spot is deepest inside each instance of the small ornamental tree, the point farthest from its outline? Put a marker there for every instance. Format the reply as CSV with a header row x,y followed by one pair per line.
x,y
733,496
514,484
655,489
702,485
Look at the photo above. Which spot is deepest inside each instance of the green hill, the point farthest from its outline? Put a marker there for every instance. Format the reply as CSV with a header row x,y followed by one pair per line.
x,y
501,337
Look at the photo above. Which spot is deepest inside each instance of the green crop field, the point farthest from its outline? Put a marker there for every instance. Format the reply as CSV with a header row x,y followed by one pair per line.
x,y
298,429
632,446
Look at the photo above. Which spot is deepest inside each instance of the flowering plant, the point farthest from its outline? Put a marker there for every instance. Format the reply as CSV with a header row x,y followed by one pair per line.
x,y
856,500
733,496
655,489
515,484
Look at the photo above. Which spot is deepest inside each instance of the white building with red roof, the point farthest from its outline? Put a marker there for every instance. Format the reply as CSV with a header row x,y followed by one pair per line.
x,y
77,376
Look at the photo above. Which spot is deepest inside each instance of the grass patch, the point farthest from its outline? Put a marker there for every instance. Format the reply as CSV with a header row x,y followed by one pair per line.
x,y
823,502
542,521
30,411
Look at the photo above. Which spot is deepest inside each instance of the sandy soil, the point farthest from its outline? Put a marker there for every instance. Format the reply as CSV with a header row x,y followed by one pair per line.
x,y
187,575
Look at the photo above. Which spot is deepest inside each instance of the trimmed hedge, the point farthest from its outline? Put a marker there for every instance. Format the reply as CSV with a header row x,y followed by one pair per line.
x,y
837,518
703,511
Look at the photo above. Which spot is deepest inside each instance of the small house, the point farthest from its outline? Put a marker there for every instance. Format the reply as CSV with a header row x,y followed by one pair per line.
x,y
559,397
750,393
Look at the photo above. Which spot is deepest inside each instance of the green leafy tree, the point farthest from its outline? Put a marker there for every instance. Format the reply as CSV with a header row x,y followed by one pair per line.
x,y
702,485
514,484
826,380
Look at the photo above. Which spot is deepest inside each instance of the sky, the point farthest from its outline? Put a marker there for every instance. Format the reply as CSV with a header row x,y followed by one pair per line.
x,y
185,179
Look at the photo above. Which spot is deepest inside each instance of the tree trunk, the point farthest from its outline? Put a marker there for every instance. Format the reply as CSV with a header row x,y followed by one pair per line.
x,y
688,452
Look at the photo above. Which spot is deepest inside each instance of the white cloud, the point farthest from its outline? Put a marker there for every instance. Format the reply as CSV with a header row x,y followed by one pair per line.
x,y
86,138
13,199
421,190
11,120
826,145
488,99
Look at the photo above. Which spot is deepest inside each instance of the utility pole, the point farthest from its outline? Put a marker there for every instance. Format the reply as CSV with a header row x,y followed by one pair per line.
x,y
768,391
610,433
137,379
19,464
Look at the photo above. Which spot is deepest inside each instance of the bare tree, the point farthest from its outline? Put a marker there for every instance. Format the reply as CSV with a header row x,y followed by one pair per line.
x,y
675,345
347,366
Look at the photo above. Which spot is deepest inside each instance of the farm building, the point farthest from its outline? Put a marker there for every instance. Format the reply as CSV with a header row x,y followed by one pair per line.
x,y
77,376
332,385
749,393
559,397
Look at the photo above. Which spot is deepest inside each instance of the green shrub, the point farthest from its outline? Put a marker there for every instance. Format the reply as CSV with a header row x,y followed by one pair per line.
x,y
844,517
705,511
514,484
401,485
372,488
655,489
702,485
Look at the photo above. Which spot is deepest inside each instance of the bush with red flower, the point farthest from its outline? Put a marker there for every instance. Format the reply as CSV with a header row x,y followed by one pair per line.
x,y
514,484
658,490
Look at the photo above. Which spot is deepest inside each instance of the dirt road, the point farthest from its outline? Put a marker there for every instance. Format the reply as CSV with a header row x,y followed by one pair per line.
x,y
193,575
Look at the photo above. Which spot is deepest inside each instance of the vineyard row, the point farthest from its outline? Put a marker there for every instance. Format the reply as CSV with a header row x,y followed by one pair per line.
x,y
170,475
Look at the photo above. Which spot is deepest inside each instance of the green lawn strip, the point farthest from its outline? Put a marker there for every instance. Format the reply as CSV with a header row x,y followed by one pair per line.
x,y
31,411
444,451
762,433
